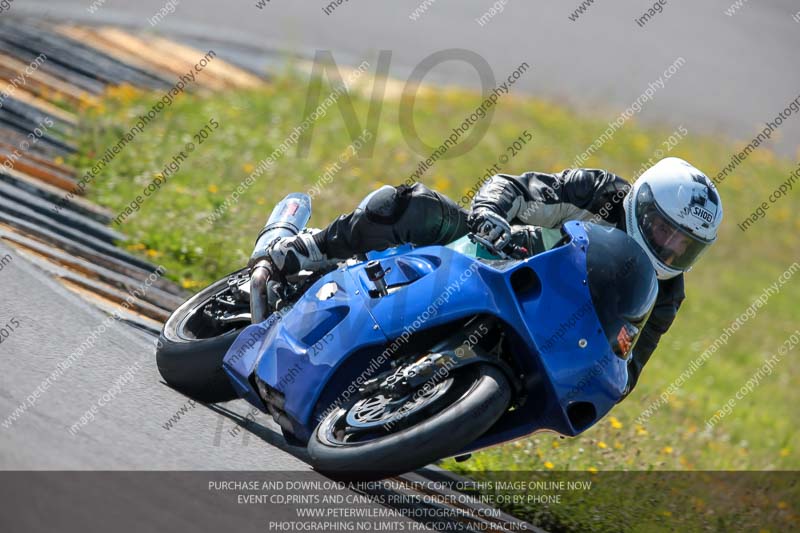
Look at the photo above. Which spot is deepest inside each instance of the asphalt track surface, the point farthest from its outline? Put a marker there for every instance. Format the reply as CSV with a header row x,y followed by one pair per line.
x,y
740,70
127,432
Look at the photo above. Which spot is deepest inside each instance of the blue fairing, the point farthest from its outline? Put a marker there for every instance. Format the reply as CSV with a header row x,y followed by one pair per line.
x,y
337,334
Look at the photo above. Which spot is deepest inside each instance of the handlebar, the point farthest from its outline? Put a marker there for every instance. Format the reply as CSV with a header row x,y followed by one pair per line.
x,y
509,251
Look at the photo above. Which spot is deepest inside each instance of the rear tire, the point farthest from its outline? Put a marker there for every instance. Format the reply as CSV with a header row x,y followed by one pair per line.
x,y
192,364
481,394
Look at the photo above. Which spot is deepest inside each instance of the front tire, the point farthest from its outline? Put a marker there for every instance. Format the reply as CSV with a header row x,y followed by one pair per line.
x,y
478,397
191,346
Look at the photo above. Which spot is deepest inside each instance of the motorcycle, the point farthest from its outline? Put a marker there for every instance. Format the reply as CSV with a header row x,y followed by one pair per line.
x,y
409,355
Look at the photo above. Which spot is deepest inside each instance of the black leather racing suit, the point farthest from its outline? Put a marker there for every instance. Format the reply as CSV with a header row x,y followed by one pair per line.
x,y
396,215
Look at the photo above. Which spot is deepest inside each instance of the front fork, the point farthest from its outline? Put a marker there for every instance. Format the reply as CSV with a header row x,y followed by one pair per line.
x,y
459,350
259,276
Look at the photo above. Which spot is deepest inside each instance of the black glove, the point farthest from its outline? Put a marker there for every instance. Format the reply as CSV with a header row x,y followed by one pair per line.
x,y
490,229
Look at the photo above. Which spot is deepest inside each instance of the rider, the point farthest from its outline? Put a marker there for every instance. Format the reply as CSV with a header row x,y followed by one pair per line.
x,y
672,211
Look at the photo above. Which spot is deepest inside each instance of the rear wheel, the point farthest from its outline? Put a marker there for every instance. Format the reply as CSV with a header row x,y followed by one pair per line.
x,y
197,335
385,434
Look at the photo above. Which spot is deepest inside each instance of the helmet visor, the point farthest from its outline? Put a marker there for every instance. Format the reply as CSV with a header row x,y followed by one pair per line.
x,y
672,245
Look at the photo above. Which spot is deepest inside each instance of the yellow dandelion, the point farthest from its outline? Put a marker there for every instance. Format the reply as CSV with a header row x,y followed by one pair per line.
x,y
137,246
591,470
556,444
248,167
699,502
602,445
764,156
261,201
783,505
441,183
83,103
539,453
213,189
641,142
640,431
736,184
125,92
666,513
615,423
548,465
785,452
189,283
666,450
618,445
58,160
153,253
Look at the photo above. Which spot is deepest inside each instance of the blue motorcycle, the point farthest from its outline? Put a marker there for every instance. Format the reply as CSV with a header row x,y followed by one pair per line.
x,y
409,355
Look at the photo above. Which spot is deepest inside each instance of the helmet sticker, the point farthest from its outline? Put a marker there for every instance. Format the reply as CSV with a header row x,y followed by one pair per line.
x,y
703,204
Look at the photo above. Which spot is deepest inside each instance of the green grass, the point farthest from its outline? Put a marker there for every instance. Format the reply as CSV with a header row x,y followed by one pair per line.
x,y
762,431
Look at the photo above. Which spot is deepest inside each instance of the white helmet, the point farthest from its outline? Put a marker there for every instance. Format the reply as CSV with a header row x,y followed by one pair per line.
x,y
673,211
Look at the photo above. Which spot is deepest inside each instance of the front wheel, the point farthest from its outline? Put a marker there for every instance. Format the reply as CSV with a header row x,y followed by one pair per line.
x,y
380,436
197,335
